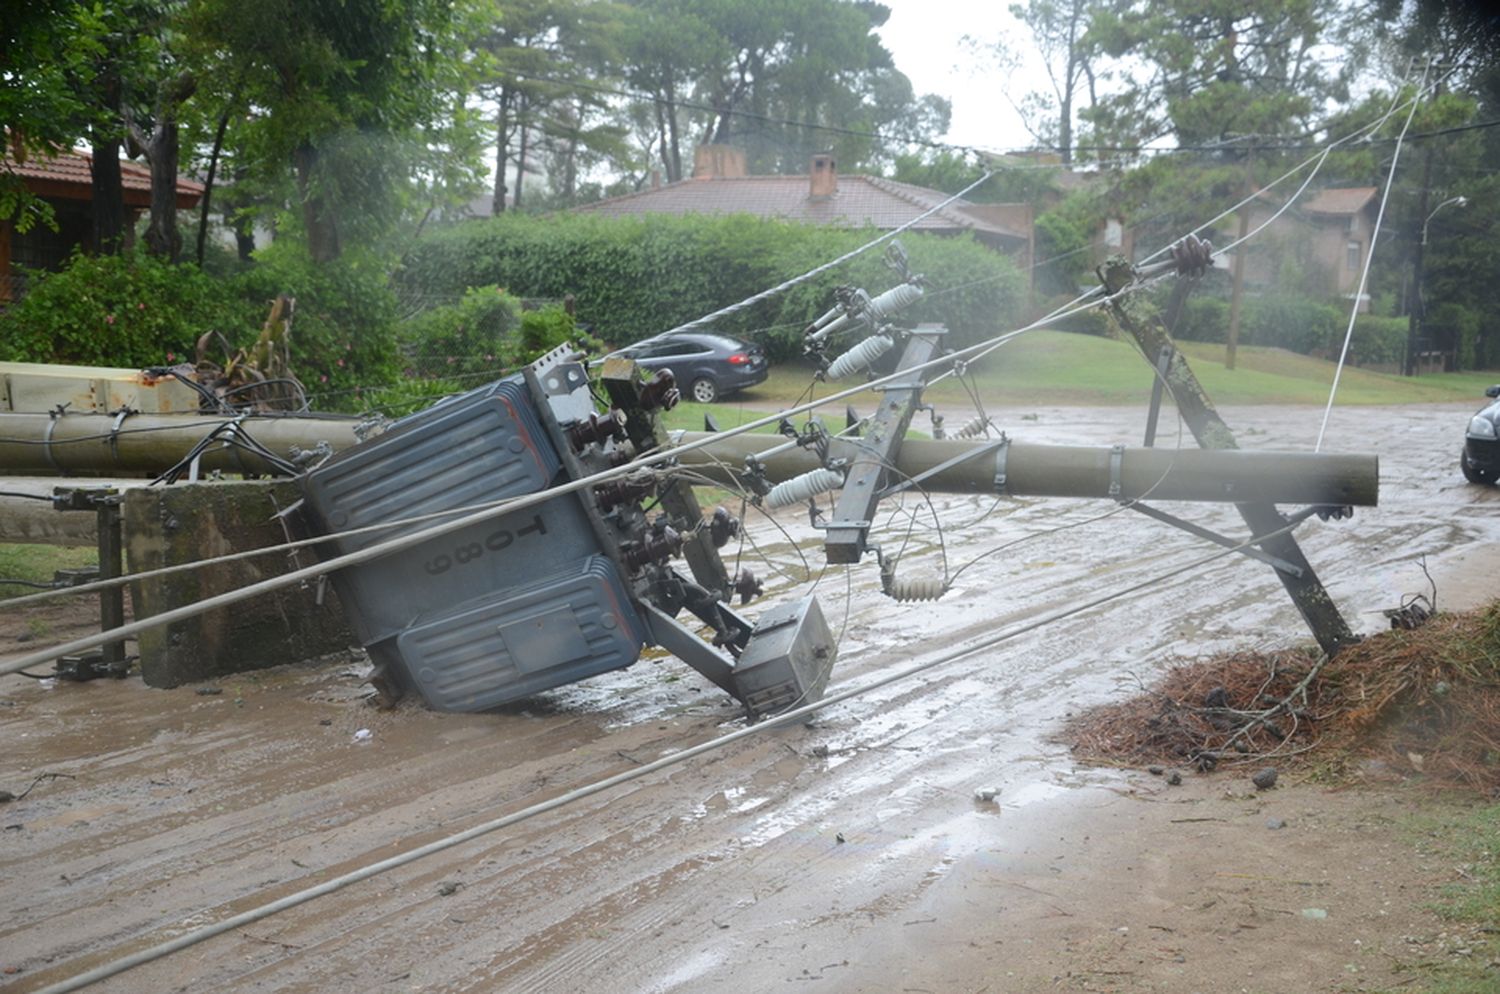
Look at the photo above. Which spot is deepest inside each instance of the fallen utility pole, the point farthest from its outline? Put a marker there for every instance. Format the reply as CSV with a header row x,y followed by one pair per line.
x,y
1024,470
81,443
126,442
1143,324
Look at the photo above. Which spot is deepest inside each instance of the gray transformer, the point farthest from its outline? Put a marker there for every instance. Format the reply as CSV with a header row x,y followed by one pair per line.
x,y
548,594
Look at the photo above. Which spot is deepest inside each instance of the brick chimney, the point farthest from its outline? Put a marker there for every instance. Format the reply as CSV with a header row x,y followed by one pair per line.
x,y
718,162
824,179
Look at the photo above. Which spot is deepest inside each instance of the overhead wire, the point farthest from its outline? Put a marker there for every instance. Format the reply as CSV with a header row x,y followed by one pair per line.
x,y
1364,273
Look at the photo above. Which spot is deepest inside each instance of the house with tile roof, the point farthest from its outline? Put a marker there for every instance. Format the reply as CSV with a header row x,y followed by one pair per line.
x,y
65,181
1327,233
720,185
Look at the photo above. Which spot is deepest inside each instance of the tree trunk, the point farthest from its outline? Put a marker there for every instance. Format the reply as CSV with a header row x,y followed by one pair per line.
x,y
521,155
104,171
162,237
674,165
570,159
162,148
108,197
322,227
661,134
208,185
502,158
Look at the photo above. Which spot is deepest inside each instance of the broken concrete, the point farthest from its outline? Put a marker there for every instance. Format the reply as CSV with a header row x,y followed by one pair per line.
x,y
188,522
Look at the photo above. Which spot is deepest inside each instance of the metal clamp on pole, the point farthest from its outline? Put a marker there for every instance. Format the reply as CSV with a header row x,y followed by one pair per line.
x,y
1000,453
1116,464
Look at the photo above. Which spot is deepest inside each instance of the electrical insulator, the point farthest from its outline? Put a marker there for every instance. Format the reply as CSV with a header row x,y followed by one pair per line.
x,y
661,391
975,428
747,586
860,356
722,527
804,487
596,429
616,492
908,591
894,299
660,544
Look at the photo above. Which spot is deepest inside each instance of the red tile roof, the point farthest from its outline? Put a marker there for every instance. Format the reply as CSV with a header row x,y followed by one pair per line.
x,y
67,175
858,201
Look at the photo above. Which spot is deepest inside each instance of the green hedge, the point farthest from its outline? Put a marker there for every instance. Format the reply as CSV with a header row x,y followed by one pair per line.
x,y
634,277
127,311
1375,339
134,311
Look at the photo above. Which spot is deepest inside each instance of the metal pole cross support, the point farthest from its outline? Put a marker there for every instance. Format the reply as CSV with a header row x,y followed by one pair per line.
x,y
877,452
1302,584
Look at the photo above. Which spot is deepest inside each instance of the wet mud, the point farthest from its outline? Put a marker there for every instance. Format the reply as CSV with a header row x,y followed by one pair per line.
x,y
850,854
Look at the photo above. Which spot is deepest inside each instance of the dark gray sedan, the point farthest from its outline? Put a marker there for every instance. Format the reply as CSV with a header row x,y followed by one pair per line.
x,y
1480,459
706,367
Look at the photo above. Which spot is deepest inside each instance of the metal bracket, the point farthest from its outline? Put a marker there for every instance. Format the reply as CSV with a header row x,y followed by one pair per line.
x,y
1003,447
1163,364
1116,463
1274,561
947,464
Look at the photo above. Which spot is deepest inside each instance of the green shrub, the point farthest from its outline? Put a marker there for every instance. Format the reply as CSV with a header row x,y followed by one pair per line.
x,y
476,335
126,310
638,276
1377,340
1300,324
1204,319
344,332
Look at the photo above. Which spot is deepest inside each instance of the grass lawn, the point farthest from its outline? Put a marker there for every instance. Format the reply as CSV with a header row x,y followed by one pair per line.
x,y
36,564
1055,367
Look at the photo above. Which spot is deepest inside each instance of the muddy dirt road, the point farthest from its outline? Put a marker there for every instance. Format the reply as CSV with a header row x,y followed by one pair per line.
x,y
850,855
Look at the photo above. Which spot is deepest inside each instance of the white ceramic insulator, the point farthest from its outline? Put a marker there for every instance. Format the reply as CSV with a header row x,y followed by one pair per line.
x,y
926,589
804,487
894,299
860,356
974,428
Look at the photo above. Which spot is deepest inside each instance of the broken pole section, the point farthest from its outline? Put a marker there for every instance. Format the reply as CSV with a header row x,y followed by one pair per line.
x,y
1140,320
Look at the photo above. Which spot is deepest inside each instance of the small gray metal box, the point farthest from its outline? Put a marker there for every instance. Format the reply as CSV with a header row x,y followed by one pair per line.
x,y
787,660
513,643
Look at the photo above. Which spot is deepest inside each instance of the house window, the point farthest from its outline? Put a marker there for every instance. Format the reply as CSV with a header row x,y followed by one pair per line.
x,y
1351,256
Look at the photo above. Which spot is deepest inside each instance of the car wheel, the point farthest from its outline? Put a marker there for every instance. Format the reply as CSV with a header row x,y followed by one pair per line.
x,y
1473,473
704,390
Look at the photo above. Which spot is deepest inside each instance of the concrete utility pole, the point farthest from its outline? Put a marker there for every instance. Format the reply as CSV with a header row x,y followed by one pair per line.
x,y
1322,616
117,445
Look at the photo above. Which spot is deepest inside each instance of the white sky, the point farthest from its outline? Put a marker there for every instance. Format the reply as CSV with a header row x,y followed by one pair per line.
x,y
926,39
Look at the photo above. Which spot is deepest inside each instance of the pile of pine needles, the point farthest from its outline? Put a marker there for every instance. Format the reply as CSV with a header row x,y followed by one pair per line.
x,y
1423,702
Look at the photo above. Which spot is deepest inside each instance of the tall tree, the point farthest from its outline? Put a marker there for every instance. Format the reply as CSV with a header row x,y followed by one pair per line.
x,y
48,50
1060,38
757,73
540,66
356,96
152,109
1208,71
